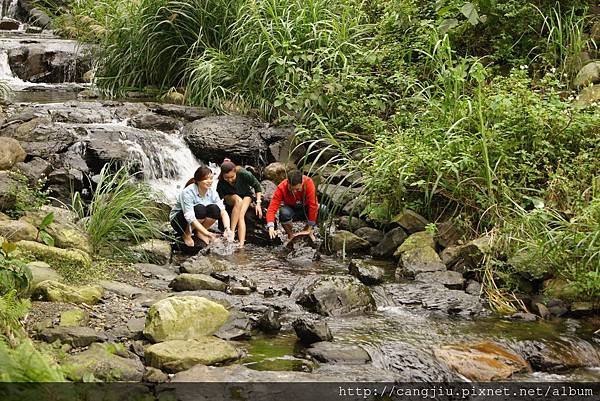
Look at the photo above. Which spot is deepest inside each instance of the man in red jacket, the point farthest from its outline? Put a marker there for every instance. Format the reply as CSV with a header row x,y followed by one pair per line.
x,y
299,198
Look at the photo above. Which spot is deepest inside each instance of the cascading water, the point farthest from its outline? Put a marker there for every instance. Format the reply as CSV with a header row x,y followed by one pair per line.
x,y
9,8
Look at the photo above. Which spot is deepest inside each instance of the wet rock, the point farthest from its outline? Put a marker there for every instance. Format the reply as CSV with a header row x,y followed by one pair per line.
x,y
372,235
240,290
303,251
191,282
180,318
75,336
239,138
410,363
9,24
256,231
346,354
177,355
153,375
368,274
485,361
234,279
522,316
53,291
390,242
269,322
450,279
8,187
237,327
156,122
160,272
11,153
541,310
35,170
269,188
579,309
435,297
473,288
311,331
188,113
107,362
242,374
333,295
557,356
74,317
346,241
448,234
154,251
350,223
122,289
410,221
201,264
41,271
589,74
39,138
17,230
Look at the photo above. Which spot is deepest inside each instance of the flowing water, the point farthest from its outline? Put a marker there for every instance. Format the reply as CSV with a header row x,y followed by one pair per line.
x,y
393,335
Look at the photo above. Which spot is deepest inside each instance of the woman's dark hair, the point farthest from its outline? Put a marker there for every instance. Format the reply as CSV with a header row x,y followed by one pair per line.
x,y
201,174
295,177
226,167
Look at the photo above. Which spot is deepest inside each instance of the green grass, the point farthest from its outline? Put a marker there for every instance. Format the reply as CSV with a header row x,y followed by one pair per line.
x,y
121,211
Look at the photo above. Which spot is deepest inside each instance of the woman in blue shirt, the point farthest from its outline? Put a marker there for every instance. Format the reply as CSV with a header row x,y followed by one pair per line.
x,y
198,206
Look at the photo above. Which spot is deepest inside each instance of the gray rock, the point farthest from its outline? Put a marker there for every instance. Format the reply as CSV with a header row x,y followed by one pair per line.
x,y
473,288
237,327
135,326
465,258
188,113
191,282
419,260
41,271
269,322
410,221
17,230
122,289
390,242
589,74
368,274
350,223
337,196
40,138
333,295
156,122
11,152
557,356
310,331
39,18
214,138
155,251
448,234
8,186
522,316
153,375
372,235
450,279
107,362
435,297
346,241
155,271
201,264
346,354
411,363
75,336
35,170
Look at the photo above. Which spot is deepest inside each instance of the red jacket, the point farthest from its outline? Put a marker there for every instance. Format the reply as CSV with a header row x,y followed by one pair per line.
x,y
307,196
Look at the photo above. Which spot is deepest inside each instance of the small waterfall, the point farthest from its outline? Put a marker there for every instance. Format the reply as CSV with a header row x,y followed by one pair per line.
x,y
9,8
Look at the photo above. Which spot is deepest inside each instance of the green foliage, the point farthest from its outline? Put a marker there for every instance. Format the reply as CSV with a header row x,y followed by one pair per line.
x,y
25,363
14,274
42,233
121,211
28,197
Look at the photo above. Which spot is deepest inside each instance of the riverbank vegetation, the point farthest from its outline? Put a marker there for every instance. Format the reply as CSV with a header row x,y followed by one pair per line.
x,y
459,110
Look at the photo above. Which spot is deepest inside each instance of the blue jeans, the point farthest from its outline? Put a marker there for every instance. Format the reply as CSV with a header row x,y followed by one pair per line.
x,y
287,214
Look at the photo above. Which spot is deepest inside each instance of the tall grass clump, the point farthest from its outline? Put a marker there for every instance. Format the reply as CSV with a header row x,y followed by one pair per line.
x,y
121,211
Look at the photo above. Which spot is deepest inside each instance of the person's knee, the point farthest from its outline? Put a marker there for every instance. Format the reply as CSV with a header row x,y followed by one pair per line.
x,y
213,211
286,214
200,212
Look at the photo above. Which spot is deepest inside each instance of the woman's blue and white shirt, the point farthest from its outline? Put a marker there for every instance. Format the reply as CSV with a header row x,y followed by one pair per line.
x,y
190,197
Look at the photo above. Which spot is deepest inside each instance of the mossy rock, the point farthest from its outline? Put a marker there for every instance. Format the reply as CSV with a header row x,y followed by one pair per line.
x,y
74,317
421,239
107,362
177,355
183,318
346,241
72,264
54,291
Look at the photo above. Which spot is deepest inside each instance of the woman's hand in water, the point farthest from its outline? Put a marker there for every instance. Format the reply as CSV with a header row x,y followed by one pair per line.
x,y
228,234
258,209
272,233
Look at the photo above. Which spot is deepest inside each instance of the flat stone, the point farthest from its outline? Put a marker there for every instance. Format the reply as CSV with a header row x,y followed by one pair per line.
x,y
74,317
450,279
155,251
346,241
122,289
155,271
75,336
41,271
192,282
347,354
177,355
350,223
17,230
54,291
370,234
237,327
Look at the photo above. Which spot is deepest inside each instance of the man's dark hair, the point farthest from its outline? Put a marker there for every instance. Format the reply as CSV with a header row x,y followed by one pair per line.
x,y
295,177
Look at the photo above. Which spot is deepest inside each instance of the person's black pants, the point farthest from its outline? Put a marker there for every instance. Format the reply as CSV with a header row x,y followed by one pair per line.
x,y
179,223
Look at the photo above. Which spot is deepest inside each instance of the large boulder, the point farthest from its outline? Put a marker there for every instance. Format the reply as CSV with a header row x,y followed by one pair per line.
x,y
39,137
337,196
333,295
183,318
373,235
366,272
482,362
16,230
390,242
201,264
53,291
177,355
215,138
71,263
36,170
66,233
11,153
107,362
418,260
411,221
192,282
466,258
311,331
451,279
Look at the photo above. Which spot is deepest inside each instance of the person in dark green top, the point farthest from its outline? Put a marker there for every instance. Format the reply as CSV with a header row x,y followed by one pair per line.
x,y
235,188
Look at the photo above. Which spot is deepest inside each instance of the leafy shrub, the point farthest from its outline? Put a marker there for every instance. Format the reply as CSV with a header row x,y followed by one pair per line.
x,y
24,363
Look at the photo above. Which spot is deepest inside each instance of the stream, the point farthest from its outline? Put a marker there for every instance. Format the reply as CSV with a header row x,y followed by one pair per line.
x,y
400,337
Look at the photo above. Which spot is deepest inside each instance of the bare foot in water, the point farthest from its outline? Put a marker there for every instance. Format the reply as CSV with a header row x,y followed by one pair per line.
x,y
188,240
